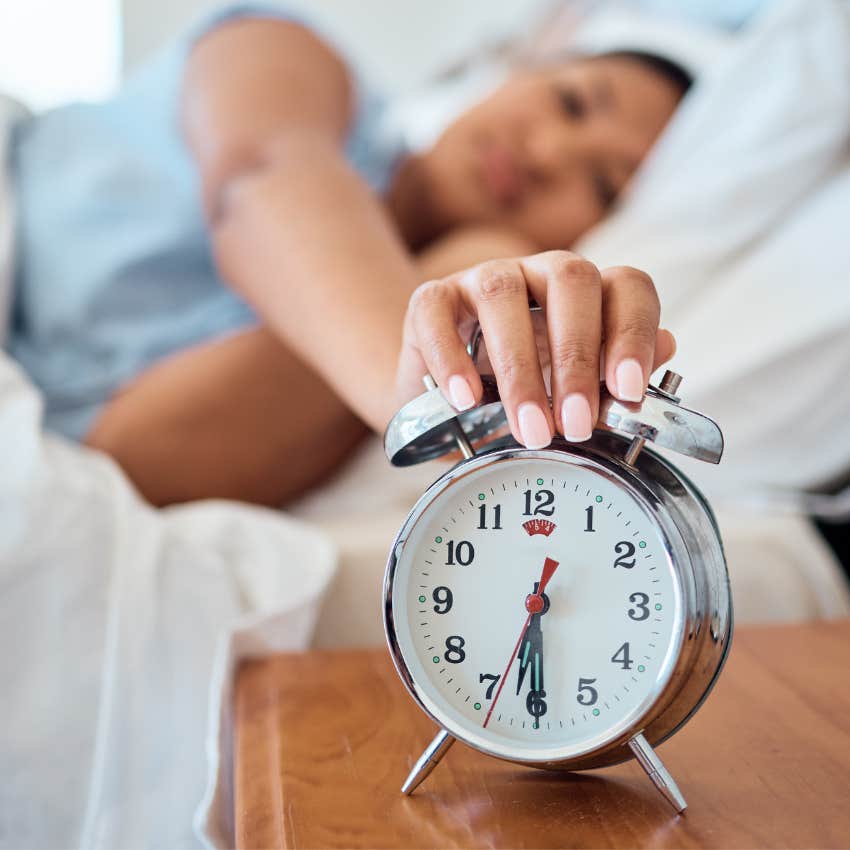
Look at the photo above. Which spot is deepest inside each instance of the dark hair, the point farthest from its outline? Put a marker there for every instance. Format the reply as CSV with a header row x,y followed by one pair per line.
x,y
668,69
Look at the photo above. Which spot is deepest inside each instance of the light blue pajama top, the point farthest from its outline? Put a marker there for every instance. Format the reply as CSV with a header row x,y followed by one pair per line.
x,y
114,268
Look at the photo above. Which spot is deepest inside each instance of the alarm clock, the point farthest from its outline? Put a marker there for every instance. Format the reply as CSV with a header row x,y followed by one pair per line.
x,y
565,608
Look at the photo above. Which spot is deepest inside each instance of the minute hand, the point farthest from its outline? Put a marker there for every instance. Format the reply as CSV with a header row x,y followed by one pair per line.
x,y
532,645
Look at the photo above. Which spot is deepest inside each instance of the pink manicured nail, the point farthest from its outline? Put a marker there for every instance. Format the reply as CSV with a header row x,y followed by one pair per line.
x,y
460,393
576,418
629,377
533,427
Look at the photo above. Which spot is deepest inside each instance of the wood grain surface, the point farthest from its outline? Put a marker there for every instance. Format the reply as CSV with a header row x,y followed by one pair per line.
x,y
325,739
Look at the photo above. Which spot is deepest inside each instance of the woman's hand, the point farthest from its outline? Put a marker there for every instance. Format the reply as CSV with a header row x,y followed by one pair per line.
x,y
589,314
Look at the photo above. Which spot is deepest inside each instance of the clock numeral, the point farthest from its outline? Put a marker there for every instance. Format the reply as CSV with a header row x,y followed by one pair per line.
x,y
641,612
589,511
497,517
625,550
536,706
493,679
621,656
464,552
586,694
543,499
444,599
454,649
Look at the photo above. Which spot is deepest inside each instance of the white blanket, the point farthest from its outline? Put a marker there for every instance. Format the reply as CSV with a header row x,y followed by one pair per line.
x,y
120,626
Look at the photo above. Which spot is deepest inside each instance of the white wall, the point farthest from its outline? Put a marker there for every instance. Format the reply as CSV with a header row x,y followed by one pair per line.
x,y
52,52
403,41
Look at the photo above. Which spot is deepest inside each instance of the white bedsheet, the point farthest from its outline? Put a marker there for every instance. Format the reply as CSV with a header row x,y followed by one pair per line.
x,y
120,626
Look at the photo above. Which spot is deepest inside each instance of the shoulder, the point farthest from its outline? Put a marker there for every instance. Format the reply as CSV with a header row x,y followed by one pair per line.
x,y
268,36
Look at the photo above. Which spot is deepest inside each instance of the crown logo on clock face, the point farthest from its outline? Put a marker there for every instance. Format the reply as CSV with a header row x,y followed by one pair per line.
x,y
539,526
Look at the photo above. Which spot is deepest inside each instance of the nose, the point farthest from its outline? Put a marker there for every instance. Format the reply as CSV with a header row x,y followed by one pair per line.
x,y
551,150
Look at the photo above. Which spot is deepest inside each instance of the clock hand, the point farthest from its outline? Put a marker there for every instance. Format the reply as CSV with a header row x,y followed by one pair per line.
x,y
534,604
530,644
535,703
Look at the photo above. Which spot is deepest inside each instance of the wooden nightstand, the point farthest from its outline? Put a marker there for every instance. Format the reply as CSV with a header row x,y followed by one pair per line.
x,y
325,739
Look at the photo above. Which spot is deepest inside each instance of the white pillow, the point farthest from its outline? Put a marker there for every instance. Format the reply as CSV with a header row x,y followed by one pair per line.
x,y
740,215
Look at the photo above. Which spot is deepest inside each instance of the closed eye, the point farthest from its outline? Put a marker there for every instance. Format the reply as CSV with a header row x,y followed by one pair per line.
x,y
572,103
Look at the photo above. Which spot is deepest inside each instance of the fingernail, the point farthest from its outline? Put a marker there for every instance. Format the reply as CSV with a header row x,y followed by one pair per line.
x,y
576,418
533,427
629,377
460,393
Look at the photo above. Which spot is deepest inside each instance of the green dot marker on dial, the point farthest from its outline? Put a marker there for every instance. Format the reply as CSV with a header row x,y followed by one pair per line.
x,y
596,712
436,659
421,598
657,606
539,480
438,539
477,706
642,544
481,496
599,498
641,668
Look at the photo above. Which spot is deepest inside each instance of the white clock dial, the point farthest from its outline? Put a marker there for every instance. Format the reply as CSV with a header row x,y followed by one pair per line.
x,y
513,671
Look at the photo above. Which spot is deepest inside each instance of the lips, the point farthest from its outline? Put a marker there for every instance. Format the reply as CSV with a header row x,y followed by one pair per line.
x,y
501,173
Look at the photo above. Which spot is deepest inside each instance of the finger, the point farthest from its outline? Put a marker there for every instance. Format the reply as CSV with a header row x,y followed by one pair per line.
x,y
434,314
573,307
631,311
665,348
498,292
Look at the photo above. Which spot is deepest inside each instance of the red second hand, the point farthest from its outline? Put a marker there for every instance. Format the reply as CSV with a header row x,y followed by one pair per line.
x,y
534,605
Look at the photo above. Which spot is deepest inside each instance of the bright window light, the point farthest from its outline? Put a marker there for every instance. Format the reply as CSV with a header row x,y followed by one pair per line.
x,y
54,52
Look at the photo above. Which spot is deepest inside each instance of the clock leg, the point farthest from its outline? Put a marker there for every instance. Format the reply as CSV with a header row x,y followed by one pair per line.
x,y
656,771
428,761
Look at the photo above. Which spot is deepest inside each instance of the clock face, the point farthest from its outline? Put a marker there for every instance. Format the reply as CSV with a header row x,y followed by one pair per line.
x,y
515,671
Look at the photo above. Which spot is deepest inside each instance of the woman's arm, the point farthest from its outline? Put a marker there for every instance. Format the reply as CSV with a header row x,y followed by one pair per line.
x,y
295,230
468,246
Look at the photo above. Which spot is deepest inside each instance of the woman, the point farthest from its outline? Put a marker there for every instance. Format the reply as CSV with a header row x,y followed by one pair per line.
x,y
221,270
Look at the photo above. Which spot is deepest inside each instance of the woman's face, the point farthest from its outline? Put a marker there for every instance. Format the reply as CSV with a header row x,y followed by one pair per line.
x,y
548,152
